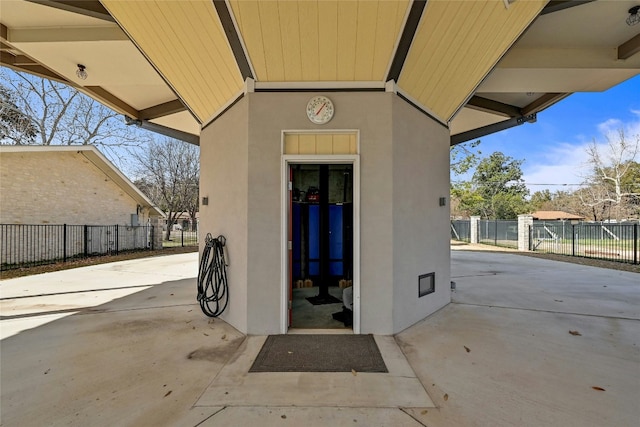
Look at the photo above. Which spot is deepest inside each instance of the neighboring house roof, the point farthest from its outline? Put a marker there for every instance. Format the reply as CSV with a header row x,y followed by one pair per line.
x,y
92,154
555,215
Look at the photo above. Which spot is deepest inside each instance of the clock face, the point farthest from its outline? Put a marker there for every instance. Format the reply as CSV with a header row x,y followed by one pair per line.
x,y
320,109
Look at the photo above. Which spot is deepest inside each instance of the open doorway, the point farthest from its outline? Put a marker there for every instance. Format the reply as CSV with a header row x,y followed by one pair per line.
x,y
321,219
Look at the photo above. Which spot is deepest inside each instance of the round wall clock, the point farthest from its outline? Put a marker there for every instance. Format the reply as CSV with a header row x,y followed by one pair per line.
x,y
320,109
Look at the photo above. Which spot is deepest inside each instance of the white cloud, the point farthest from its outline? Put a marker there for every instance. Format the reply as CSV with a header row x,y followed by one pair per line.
x,y
563,164
608,126
567,162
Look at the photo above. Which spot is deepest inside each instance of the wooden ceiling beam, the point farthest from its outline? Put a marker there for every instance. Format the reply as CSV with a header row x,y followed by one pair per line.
x,y
543,102
111,100
91,8
161,110
629,48
233,38
489,129
493,107
558,5
17,63
408,33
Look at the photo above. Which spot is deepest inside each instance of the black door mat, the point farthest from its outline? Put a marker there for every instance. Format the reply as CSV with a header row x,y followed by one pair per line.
x,y
319,353
323,299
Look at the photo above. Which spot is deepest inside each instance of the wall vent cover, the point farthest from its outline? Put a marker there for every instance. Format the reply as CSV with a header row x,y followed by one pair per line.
x,y
426,284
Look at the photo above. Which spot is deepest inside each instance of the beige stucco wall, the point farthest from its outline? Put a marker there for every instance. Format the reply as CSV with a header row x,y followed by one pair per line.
x,y
420,225
224,181
60,188
241,175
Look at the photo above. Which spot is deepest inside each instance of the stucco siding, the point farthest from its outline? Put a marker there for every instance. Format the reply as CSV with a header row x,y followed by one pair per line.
x,y
420,224
403,159
224,175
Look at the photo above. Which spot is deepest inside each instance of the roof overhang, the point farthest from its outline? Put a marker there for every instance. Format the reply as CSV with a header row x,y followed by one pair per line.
x,y
175,66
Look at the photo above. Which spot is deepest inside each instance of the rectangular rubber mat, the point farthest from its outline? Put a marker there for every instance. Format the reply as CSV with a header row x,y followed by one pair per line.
x,y
319,353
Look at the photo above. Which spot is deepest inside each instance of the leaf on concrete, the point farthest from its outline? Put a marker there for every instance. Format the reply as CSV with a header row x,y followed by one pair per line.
x,y
168,393
424,412
353,371
467,348
445,397
576,333
598,388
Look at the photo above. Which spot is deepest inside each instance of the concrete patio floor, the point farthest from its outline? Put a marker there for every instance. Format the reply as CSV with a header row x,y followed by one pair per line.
x,y
130,347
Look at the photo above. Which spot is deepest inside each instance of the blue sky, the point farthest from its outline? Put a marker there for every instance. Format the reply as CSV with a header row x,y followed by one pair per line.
x,y
554,148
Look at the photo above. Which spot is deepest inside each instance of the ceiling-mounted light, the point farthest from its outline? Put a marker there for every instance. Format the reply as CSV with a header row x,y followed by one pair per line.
x,y
634,15
81,72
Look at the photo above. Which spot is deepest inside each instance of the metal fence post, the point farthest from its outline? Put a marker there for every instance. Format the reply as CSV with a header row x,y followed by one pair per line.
x,y
182,237
64,243
117,235
635,243
573,240
86,241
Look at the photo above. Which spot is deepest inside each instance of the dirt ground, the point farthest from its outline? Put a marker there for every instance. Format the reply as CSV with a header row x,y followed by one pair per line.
x,y
612,265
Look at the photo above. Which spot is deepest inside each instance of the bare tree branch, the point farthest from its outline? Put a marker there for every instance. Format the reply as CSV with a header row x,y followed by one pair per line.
x,y
610,167
169,173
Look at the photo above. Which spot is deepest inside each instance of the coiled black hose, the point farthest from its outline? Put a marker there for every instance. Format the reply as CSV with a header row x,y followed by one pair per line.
x,y
213,290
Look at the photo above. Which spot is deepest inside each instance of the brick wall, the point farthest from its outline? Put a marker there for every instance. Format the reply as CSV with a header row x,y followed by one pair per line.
x,y
59,188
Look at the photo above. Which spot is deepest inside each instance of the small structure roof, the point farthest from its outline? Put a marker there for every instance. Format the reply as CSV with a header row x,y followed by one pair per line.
x,y
555,215
92,154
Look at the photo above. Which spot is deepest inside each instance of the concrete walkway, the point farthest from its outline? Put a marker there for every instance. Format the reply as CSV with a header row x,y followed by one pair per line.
x,y
526,342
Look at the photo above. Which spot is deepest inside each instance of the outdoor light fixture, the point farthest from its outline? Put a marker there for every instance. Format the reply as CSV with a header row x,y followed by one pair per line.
x,y
81,72
634,16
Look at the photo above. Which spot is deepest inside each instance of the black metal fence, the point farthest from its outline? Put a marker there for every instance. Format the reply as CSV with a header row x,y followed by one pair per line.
x,y
180,238
498,232
613,242
461,230
25,245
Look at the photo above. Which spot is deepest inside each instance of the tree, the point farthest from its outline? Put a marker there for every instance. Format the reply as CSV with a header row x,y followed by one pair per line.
x,y
463,157
15,126
613,186
496,190
169,173
60,115
541,200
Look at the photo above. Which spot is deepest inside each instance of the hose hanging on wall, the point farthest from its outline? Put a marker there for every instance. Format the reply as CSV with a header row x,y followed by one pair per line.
x,y
213,290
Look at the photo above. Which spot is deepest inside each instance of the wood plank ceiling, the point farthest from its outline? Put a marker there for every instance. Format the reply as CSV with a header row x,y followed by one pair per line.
x,y
187,44
197,54
455,45
304,41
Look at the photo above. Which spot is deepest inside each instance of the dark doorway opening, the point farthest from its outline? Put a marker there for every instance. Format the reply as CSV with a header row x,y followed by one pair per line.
x,y
321,226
